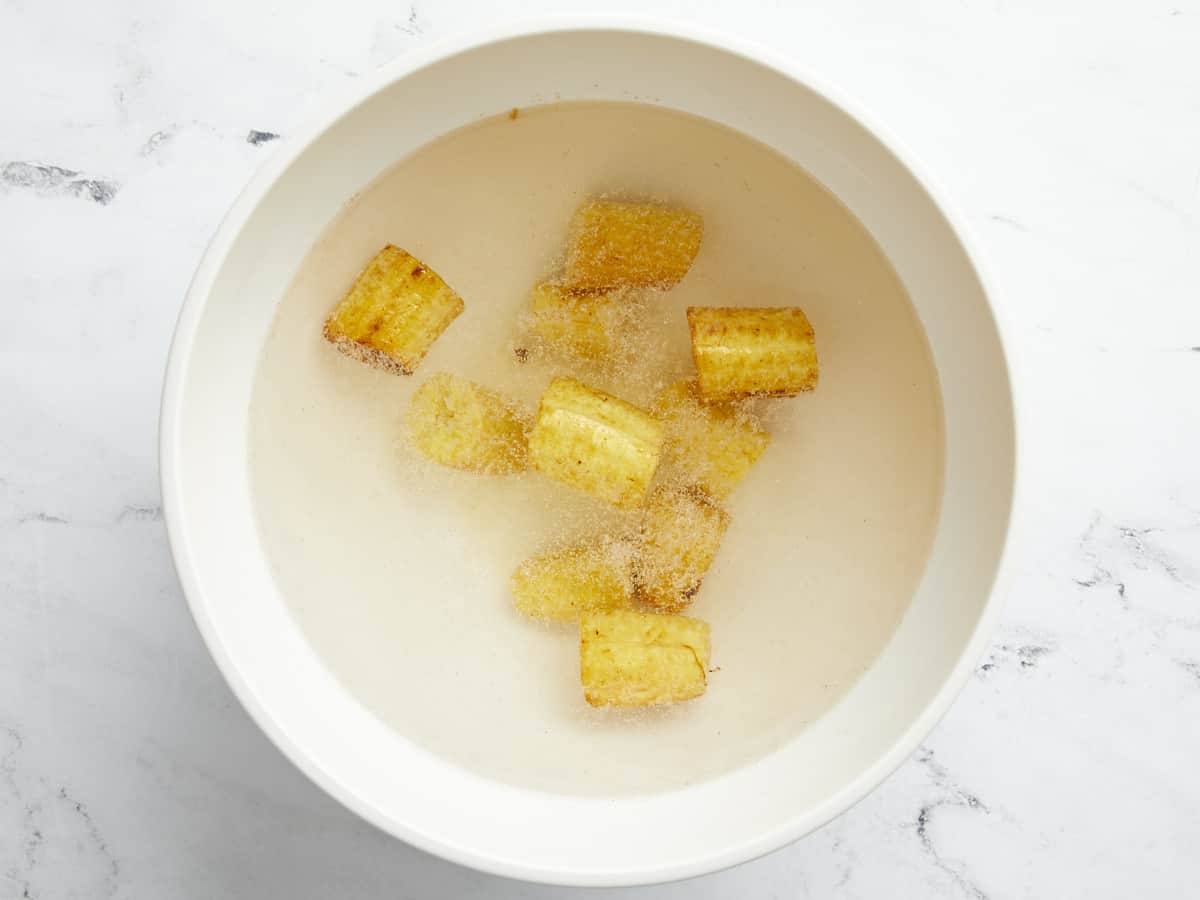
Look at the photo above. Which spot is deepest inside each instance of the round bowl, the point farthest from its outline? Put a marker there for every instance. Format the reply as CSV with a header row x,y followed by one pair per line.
x,y
245,621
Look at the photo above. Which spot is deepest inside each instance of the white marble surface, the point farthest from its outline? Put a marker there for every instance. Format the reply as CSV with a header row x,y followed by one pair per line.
x,y
1068,130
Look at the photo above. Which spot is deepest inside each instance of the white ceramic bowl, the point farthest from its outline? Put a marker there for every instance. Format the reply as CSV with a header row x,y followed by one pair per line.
x,y
375,771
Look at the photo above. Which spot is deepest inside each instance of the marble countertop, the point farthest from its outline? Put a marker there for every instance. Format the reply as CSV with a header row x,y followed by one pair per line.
x,y
1069,132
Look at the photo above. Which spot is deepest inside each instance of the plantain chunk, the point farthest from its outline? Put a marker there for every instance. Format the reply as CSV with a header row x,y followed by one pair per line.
x,y
710,443
642,659
744,352
681,532
457,423
590,576
617,244
595,442
590,326
396,309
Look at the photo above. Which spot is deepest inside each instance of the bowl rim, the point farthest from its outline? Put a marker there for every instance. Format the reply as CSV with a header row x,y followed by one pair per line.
x,y
332,107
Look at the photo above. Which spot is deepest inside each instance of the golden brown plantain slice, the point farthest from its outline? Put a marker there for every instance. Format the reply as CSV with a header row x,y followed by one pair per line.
x,y
681,532
394,312
642,659
595,442
590,576
744,352
619,244
710,443
457,423
593,326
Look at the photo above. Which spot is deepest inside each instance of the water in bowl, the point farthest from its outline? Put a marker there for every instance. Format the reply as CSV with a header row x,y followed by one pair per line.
x,y
397,571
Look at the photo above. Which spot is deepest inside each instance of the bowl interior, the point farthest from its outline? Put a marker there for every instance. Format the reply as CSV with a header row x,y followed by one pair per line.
x,y
376,771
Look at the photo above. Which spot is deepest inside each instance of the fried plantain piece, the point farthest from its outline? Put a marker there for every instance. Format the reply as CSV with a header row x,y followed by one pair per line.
x,y
393,313
680,534
746,352
595,442
613,243
710,443
457,423
642,659
588,576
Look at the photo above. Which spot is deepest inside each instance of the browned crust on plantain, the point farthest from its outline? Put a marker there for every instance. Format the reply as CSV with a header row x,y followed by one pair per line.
x,y
372,356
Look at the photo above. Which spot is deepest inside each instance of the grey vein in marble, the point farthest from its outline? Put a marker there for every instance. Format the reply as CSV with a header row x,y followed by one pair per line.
x,y
151,513
1020,657
413,24
1011,223
159,139
49,180
950,795
1107,547
848,858
391,38
256,137
1167,204
42,517
62,851
1191,666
